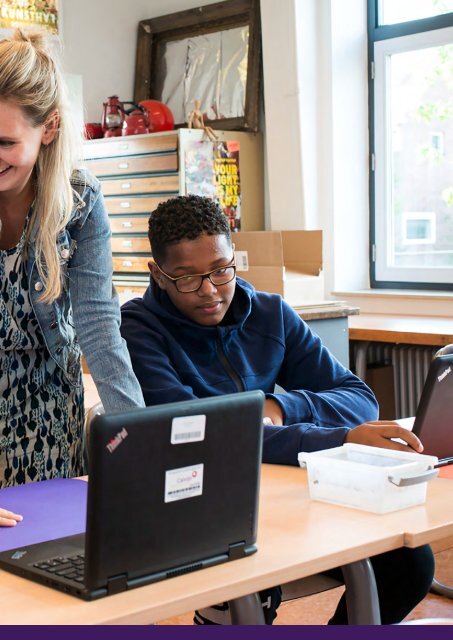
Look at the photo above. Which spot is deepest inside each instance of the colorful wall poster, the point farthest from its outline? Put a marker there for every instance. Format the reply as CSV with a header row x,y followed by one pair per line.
x,y
212,170
39,15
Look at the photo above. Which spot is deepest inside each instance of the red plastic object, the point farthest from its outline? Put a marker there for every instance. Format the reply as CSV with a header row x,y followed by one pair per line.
x,y
159,115
93,130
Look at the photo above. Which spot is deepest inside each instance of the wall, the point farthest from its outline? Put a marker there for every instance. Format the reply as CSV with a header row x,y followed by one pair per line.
x,y
315,90
99,43
314,59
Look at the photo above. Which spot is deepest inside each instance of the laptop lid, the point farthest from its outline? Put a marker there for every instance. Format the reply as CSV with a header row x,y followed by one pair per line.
x,y
434,417
172,486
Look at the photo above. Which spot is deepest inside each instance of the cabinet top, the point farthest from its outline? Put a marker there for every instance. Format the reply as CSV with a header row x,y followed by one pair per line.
x,y
159,142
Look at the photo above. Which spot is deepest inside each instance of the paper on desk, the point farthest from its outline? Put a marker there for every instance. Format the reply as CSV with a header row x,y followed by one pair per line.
x,y
51,509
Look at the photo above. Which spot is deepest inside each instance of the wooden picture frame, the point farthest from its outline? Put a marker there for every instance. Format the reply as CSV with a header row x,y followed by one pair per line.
x,y
156,33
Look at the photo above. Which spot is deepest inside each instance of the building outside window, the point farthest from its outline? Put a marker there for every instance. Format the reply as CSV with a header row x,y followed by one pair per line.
x,y
411,143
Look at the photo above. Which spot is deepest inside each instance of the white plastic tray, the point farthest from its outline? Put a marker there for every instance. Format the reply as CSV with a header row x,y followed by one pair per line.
x,y
368,478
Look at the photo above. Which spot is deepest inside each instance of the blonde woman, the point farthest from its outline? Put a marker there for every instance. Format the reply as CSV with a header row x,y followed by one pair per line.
x,y
56,295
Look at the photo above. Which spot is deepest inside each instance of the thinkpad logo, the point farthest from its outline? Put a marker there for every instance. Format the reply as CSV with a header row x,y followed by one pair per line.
x,y
444,374
116,441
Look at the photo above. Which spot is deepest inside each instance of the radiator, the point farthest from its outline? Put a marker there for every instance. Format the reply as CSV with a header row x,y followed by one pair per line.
x,y
410,367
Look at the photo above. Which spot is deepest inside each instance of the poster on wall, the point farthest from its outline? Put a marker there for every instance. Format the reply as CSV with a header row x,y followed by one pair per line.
x,y
30,15
212,170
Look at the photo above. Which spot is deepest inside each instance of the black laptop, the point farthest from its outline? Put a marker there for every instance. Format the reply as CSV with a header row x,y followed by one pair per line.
x,y
172,489
434,417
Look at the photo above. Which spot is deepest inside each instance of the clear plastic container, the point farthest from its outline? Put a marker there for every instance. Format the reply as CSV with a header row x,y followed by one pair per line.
x,y
368,478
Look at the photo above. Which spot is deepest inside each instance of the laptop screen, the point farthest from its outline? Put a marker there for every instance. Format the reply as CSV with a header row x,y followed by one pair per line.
x,y
173,484
434,418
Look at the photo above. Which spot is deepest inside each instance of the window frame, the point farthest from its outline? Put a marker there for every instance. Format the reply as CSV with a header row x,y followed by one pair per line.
x,y
378,34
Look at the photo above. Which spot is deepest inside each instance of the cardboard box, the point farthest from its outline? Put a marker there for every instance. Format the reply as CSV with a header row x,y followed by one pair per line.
x,y
284,262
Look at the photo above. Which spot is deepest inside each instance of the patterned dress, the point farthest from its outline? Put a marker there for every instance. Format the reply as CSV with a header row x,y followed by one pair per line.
x,y
41,414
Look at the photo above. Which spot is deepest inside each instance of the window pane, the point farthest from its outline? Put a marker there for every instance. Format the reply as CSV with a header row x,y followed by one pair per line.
x,y
421,158
395,11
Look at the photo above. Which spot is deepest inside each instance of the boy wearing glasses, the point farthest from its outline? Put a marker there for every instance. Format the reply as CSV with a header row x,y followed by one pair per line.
x,y
200,331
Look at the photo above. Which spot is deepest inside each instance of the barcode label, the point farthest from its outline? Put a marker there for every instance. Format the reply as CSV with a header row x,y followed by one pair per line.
x,y
188,435
188,429
182,483
242,260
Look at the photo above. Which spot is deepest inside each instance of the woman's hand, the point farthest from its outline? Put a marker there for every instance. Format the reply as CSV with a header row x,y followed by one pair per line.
x,y
8,518
381,433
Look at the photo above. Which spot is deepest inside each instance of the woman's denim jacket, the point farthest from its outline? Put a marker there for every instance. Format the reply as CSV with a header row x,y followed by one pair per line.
x,y
86,316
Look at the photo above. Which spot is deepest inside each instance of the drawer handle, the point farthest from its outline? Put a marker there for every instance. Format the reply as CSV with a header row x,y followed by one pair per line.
x,y
126,225
123,165
123,145
125,185
127,263
125,205
126,243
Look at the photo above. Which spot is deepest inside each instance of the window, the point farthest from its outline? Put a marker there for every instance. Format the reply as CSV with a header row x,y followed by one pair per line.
x,y
419,227
411,143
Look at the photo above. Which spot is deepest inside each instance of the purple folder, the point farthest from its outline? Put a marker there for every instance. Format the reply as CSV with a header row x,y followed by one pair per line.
x,y
51,509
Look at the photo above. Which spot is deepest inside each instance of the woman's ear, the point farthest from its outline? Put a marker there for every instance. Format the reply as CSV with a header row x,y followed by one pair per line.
x,y
50,129
156,274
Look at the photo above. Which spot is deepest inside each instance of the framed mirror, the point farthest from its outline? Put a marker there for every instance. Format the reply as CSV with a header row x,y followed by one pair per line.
x,y
210,53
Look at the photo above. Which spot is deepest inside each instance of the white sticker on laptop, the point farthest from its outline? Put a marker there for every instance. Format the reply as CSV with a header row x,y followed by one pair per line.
x,y
186,482
188,429
241,259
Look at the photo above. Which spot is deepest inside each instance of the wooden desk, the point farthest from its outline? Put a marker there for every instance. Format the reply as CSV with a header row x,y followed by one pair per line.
x,y
401,329
296,538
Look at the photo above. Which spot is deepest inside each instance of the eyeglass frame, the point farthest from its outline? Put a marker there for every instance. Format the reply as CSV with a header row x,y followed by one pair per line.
x,y
203,276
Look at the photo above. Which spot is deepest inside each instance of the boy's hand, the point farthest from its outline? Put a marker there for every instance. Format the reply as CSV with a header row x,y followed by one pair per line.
x,y
380,434
8,518
273,411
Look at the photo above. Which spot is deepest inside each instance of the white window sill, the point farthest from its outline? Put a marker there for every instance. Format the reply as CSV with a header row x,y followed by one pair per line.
x,y
400,301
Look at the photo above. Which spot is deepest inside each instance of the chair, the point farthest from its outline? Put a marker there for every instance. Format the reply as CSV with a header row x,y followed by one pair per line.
x,y
442,589
308,586
362,604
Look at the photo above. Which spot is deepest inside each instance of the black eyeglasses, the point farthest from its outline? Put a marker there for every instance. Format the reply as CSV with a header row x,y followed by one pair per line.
x,y
189,284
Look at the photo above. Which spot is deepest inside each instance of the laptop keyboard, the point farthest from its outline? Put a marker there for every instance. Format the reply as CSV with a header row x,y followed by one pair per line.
x,y
72,567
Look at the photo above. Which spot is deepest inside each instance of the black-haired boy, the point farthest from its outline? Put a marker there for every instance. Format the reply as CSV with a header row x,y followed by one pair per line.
x,y
199,331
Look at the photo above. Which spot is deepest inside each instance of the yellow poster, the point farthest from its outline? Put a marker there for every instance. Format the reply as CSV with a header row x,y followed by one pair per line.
x,y
212,170
29,15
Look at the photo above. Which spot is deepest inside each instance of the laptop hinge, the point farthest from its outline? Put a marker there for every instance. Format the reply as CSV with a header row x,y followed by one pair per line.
x,y
116,584
236,550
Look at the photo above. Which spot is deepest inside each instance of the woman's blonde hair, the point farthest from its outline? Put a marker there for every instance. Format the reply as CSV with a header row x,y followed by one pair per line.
x,y
30,79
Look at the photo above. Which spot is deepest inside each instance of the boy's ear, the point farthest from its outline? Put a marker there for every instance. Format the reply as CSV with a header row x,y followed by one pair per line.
x,y
156,274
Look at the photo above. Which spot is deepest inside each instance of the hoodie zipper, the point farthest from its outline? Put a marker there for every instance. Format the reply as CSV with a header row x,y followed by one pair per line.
x,y
224,360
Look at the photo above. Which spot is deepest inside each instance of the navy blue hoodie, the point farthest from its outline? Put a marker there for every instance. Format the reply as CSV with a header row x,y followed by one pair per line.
x,y
260,343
